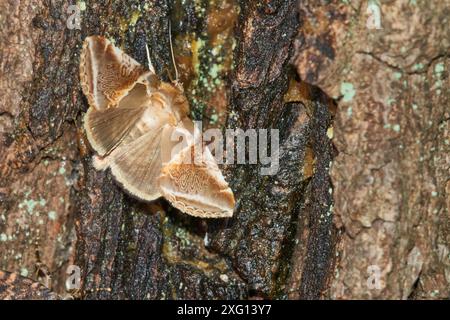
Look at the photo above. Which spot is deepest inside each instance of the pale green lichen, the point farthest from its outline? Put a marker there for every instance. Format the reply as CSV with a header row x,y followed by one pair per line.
x,y
438,72
418,66
347,91
197,46
183,235
214,118
439,68
396,128
81,5
349,111
29,204
52,215
3,237
373,8
397,75
216,50
24,272
214,71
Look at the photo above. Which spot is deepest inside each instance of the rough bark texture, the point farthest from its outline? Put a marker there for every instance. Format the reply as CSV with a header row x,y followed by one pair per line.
x,y
252,64
273,211
391,178
15,287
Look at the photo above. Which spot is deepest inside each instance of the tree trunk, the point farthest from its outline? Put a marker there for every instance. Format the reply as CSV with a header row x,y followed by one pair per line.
x,y
357,209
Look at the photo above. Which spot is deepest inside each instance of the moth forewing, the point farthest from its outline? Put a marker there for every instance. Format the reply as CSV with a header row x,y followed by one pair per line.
x,y
106,73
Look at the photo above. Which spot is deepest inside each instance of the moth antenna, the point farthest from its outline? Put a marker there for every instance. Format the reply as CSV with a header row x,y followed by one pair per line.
x,y
150,65
171,51
166,70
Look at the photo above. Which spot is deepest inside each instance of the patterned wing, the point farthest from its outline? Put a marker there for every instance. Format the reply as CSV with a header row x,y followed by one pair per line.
x,y
196,186
106,73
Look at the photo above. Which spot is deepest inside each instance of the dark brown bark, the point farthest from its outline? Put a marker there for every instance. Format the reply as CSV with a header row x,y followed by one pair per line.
x,y
134,251
391,177
15,287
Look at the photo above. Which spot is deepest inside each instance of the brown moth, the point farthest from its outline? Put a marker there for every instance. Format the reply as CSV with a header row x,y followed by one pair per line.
x,y
130,123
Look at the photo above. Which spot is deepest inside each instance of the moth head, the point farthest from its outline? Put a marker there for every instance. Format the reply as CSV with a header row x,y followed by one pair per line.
x,y
151,81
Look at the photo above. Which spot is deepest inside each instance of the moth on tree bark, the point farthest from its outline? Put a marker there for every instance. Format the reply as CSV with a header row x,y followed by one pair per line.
x,y
134,122
299,67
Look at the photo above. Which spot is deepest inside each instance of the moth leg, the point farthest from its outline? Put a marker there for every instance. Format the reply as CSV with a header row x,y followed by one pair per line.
x,y
171,51
150,65
167,71
101,163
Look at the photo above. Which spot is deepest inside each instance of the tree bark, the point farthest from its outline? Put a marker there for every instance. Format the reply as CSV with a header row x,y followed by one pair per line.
x,y
363,179
391,177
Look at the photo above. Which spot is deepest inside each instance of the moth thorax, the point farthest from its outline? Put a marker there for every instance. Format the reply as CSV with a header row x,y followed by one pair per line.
x,y
155,116
153,81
